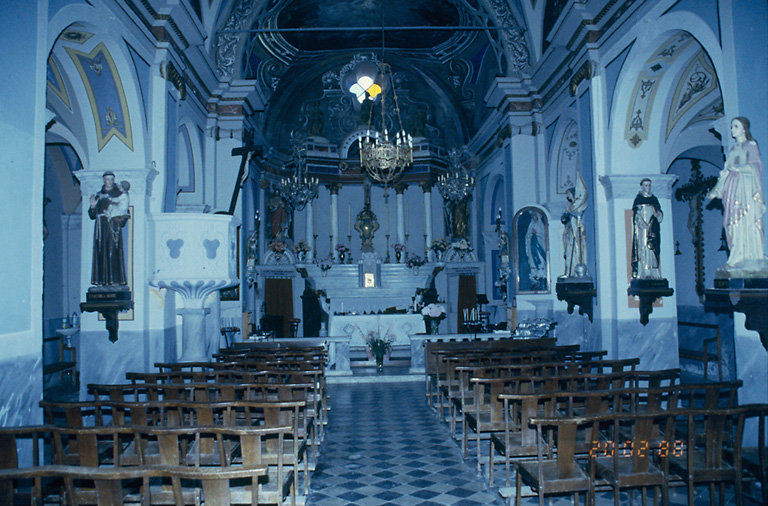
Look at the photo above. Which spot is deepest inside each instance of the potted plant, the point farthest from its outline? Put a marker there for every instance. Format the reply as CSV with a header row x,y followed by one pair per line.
x,y
414,263
433,314
379,347
438,247
325,265
278,248
301,249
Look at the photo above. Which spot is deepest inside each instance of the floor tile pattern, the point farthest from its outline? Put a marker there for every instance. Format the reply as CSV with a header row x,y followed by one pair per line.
x,y
384,446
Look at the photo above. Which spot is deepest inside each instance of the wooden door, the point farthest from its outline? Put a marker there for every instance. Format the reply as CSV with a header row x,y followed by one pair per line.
x,y
278,303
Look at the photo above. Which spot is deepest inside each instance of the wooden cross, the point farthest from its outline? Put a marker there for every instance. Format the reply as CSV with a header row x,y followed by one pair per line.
x,y
693,192
245,152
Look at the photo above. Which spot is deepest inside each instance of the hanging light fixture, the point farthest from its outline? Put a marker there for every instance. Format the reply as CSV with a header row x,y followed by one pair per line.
x,y
457,184
383,158
299,189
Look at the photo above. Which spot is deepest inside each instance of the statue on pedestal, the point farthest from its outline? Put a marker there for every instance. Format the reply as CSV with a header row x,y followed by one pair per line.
x,y
109,210
740,188
574,234
646,233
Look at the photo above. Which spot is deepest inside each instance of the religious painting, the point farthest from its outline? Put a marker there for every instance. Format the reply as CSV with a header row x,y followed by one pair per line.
x,y
531,252
231,293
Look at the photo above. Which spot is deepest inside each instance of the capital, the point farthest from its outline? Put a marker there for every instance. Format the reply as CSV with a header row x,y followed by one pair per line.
x,y
334,188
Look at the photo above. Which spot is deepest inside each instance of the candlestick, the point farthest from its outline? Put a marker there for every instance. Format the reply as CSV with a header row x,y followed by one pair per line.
x,y
349,219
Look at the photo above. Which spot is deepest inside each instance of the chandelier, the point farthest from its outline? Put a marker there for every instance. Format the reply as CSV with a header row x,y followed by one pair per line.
x,y
458,183
299,189
382,157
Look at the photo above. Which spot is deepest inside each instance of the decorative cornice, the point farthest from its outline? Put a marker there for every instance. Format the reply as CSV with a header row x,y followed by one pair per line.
x,y
626,187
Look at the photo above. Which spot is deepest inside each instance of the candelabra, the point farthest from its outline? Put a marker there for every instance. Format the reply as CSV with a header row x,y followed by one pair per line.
x,y
458,183
382,159
299,189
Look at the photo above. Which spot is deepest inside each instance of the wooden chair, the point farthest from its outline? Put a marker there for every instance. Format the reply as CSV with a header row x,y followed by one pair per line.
x,y
555,472
755,458
628,462
713,451
704,355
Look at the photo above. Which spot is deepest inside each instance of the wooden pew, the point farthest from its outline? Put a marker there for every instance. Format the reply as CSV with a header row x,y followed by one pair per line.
x,y
112,487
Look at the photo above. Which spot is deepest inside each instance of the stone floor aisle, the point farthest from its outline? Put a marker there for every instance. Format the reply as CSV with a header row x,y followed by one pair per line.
x,y
384,446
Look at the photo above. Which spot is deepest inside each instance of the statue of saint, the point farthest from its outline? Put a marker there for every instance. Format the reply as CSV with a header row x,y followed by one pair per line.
x,y
574,234
740,189
278,217
109,209
646,233
459,214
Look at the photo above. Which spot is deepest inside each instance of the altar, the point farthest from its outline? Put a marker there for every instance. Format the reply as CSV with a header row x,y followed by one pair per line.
x,y
399,326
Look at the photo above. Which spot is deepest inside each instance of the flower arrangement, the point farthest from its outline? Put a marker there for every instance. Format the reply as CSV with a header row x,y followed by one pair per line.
x,y
433,312
277,246
342,248
399,247
302,247
379,346
414,261
462,246
439,245
326,263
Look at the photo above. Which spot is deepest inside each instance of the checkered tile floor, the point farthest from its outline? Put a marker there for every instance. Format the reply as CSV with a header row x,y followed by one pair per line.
x,y
384,446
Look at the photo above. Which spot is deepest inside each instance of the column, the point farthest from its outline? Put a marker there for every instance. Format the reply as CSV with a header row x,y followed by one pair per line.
x,y
310,232
629,338
427,189
399,190
334,189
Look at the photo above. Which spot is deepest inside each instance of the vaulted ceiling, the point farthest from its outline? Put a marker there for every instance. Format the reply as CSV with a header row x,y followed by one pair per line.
x,y
444,55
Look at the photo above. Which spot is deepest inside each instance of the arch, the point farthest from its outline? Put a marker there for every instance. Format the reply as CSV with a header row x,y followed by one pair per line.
x,y
653,64
530,227
77,33
564,156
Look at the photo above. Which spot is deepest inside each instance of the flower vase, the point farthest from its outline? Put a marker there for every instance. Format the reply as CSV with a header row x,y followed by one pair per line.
x,y
342,256
434,323
379,362
415,270
438,256
397,256
302,257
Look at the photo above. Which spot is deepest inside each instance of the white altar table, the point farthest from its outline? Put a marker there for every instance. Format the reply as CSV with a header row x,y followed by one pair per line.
x,y
399,326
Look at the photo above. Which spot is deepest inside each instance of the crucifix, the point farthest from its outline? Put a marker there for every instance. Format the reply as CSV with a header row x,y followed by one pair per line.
x,y
693,192
245,152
